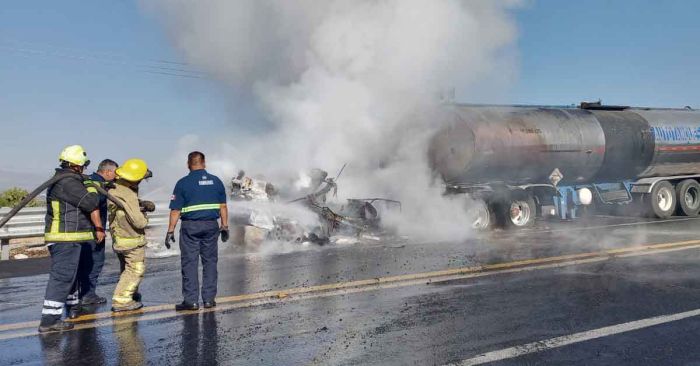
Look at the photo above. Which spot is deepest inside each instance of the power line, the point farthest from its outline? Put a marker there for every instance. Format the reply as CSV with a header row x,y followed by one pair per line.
x,y
171,74
160,67
88,52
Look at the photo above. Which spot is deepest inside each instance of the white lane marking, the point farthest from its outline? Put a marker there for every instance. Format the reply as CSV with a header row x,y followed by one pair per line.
x,y
524,349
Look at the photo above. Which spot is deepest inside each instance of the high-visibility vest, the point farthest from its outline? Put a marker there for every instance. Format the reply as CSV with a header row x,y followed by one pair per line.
x,y
55,234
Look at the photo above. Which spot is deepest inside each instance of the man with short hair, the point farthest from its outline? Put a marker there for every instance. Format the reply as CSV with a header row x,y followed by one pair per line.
x,y
199,199
92,256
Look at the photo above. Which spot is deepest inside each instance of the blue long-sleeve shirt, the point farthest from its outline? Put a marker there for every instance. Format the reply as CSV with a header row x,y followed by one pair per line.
x,y
103,199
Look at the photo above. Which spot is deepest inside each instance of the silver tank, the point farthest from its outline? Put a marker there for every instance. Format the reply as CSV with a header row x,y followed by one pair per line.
x,y
522,145
676,135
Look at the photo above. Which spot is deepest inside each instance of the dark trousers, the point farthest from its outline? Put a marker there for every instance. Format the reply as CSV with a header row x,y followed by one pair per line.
x,y
199,239
61,289
92,259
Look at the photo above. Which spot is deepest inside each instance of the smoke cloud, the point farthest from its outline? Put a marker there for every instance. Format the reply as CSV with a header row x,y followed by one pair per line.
x,y
349,81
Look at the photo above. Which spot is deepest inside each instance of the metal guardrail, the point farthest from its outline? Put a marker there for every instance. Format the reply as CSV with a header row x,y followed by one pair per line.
x,y
29,223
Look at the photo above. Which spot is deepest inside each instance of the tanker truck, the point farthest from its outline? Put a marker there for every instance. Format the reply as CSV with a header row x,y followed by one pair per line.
x,y
521,162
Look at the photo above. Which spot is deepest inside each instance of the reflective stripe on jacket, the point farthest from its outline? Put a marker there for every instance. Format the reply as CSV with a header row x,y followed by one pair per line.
x,y
200,207
120,243
69,205
126,225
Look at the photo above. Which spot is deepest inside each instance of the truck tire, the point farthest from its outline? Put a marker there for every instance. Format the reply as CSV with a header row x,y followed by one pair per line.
x,y
688,197
518,211
481,215
662,200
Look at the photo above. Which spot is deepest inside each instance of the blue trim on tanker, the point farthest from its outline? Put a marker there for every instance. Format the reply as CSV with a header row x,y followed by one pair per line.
x,y
685,134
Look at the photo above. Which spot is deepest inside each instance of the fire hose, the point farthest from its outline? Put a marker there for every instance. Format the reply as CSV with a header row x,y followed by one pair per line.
x,y
50,182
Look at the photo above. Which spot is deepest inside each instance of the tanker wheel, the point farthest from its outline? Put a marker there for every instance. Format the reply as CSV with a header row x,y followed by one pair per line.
x,y
663,200
688,196
518,212
481,216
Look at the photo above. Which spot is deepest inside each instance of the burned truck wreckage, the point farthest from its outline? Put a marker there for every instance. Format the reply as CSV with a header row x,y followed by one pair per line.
x,y
303,212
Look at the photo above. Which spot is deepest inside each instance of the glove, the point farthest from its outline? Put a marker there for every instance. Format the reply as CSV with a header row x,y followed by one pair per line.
x,y
169,238
224,234
147,206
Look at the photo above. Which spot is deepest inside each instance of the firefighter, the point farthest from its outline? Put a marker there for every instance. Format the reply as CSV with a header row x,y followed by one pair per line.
x,y
93,256
199,200
127,227
72,219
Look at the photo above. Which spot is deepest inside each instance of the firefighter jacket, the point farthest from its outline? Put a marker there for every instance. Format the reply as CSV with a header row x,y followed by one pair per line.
x,y
126,225
68,207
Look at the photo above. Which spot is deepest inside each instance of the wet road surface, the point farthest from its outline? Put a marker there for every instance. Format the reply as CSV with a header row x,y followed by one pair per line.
x,y
432,320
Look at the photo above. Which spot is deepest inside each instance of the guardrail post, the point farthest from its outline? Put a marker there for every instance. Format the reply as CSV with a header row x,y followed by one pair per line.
x,y
4,249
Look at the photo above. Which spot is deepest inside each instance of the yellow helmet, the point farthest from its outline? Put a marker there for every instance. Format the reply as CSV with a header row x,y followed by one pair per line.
x,y
74,154
134,170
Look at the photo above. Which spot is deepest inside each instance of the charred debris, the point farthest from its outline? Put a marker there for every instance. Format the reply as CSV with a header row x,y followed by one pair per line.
x,y
302,212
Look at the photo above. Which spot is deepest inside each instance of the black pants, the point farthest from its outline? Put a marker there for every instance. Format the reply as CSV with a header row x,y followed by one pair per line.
x,y
199,239
61,289
92,259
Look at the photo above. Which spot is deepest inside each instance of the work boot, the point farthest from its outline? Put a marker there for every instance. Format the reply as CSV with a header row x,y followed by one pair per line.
x,y
134,305
209,304
186,306
58,326
93,300
74,311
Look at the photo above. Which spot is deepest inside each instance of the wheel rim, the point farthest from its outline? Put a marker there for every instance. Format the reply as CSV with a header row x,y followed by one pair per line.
x,y
691,197
664,199
481,216
520,213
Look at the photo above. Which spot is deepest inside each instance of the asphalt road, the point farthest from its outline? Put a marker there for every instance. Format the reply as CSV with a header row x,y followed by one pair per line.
x,y
561,293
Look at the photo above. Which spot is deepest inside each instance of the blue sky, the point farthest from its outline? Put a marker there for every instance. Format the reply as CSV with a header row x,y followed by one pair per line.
x,y
90,72
631,52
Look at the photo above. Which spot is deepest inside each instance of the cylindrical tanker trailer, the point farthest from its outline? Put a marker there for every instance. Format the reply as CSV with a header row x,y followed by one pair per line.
x,y
517,159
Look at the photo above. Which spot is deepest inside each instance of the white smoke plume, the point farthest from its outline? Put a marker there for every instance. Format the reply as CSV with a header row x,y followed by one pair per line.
x,y
350,81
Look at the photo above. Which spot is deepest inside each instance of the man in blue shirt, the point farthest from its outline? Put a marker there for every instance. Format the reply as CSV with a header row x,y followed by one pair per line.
x,y
199,200
92,255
